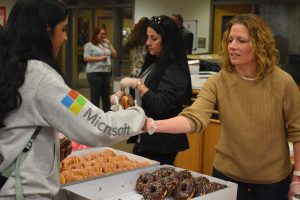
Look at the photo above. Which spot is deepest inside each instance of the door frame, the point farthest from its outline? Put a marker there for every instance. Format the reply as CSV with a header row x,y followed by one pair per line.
x,y
221,11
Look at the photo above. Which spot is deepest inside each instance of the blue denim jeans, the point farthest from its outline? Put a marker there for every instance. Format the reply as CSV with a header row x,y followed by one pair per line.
x,y
247,191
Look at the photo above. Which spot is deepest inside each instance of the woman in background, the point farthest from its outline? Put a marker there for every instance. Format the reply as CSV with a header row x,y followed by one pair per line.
x,y
258,104
162,89
136,43
98,54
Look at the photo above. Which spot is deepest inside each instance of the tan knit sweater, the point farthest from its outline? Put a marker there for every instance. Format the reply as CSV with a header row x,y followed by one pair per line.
x,y
257,118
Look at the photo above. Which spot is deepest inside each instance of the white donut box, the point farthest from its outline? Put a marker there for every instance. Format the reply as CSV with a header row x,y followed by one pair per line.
x,y
122,187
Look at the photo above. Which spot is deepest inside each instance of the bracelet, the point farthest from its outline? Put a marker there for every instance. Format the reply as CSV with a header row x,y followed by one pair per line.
x,y
296,173
139,83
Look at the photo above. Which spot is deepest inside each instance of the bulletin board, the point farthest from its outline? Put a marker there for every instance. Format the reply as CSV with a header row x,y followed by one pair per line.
x,y
192,26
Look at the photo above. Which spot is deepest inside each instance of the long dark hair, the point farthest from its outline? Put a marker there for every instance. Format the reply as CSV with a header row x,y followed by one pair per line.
x,y
25,37
173,51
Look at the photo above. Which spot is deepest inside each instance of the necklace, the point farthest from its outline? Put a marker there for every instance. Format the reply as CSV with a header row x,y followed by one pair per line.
x,y
248,79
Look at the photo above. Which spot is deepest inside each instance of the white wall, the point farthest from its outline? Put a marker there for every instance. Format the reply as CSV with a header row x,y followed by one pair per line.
x,y
189,9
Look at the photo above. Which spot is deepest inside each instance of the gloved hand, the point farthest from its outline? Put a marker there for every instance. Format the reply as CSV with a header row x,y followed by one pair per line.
x,y
129,82
115,98
150,126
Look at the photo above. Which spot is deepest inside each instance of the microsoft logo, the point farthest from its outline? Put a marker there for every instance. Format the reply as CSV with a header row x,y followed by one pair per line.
x,y
74,101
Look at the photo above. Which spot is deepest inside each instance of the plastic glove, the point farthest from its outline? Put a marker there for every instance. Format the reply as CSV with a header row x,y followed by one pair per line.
x,y
115,98
151,126
117,107
129,82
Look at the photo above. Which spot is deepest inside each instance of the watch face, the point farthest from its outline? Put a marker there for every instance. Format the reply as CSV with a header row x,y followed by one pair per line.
x,y
139,83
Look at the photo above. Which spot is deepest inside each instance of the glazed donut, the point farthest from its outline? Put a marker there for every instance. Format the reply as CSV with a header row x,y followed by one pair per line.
x,y
95,164
154,191
62,179
127,101
76,166
143,180
68,176
185,189
108,152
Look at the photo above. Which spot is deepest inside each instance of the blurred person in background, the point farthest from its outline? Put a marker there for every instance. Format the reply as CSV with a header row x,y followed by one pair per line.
x,y
186,34
98,54
135,41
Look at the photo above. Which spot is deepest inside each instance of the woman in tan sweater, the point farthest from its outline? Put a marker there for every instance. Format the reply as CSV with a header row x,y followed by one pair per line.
x,y
259,108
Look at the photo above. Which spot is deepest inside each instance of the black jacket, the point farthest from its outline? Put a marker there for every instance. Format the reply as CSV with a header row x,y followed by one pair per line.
x,y
188,39
164,100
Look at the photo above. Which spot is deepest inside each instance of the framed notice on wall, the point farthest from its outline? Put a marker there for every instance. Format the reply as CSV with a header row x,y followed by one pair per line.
x,y
191,25
2,15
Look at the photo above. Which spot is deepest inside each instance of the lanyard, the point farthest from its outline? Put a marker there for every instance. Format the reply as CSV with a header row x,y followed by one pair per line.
x,y
15,166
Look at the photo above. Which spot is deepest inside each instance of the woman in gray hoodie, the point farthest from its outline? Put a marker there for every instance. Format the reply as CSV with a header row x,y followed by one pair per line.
x,y
34,94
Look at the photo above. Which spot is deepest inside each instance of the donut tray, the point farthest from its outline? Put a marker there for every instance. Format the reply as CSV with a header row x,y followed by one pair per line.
x,y
122,187
117,152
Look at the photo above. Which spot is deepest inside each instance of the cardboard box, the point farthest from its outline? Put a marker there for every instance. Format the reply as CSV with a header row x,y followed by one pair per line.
x,y
122,187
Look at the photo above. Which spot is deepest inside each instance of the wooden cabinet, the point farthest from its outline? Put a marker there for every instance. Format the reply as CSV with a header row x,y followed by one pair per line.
x,y
191,158
199,157
210,139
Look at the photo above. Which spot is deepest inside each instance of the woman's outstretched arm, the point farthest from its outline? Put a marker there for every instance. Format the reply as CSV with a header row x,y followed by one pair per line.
x,y
175,125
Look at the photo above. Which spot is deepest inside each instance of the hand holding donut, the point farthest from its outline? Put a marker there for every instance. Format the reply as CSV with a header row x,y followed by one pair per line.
x,y
115,98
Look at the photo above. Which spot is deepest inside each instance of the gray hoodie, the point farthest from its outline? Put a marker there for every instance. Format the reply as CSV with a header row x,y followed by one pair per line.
x,y
49,102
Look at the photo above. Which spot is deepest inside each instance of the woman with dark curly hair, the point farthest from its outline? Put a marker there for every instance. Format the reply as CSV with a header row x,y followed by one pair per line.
x,y
259,107
36,103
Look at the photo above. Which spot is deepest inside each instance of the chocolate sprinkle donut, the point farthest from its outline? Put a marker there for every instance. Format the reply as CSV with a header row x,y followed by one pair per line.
x,y
183,174
212,187
170,183
154,191
164,172
185,189
200,183
143,180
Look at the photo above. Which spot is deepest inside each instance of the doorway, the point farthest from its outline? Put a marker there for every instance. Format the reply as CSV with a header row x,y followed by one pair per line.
x,y
82,31
117,19
222,15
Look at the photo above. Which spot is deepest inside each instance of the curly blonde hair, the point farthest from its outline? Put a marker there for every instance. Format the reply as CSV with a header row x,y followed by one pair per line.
x,y
262,41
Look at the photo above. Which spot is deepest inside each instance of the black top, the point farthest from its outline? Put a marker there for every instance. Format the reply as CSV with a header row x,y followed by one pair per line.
x,y
164,99
188,39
